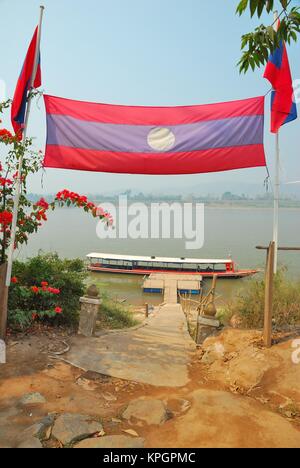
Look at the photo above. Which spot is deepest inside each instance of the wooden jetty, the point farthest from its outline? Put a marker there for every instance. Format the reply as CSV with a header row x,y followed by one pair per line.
x,y
171,284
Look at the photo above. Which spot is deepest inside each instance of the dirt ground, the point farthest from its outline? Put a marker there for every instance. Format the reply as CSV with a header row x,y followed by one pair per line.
x,y
239,395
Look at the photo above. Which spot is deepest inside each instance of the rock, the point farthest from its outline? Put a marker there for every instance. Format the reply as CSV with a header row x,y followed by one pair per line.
x,y
215,352
178,406
33,398
223,420
131,432
185,405
7,414
86,384
247,370
116,420
30,443
96,377
233,340
114,441
48,433
69,428
109,396
235,321
149,411
46,427
40,431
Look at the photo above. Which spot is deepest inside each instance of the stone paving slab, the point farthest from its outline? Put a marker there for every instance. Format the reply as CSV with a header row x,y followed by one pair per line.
x,y
157,353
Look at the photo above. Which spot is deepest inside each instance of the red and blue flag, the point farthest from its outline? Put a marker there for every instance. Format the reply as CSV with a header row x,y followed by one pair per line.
x,y
154,140
278,72
18,108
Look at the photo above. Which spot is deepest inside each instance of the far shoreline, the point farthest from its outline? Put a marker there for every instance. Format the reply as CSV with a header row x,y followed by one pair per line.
x,y
234,207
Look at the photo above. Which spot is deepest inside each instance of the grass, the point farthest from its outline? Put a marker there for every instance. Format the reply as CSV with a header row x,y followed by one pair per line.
x,y
248,306
115,315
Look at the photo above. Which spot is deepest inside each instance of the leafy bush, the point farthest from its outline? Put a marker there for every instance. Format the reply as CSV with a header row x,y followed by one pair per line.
x,y
115,315
46,288
19,319
248,307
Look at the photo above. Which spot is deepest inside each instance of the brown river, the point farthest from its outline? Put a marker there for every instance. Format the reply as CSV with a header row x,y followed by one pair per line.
x,y
228,231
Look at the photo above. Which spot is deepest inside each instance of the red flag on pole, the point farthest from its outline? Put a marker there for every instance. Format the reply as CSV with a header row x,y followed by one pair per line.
x,y
278,73
18,108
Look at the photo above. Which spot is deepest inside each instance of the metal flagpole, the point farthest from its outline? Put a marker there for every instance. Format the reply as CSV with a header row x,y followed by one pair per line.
x,y
277,182
19,178
276,202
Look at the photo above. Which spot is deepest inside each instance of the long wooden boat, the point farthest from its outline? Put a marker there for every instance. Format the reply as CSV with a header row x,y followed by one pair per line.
x,y
138,265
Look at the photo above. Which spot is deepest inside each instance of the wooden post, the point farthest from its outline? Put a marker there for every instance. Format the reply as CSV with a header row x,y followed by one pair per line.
x,y
3,301
269,279
214,284
147,310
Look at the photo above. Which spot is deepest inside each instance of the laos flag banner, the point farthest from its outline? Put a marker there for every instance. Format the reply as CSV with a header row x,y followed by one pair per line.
x,y
19,103
278,72
154,140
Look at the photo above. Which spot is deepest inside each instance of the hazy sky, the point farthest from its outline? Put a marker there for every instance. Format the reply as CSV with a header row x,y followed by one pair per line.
x,y
140,52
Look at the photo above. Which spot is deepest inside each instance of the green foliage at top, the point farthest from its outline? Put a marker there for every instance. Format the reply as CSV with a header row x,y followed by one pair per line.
x,y
248,306
258,45
259,6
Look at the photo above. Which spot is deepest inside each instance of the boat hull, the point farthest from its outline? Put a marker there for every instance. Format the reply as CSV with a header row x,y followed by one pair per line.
x,y
205,274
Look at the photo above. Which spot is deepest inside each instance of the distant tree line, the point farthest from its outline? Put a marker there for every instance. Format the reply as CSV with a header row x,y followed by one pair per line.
x,y
226,197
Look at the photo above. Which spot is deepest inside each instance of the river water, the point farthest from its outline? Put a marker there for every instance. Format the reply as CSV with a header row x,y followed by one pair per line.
x,y
228,231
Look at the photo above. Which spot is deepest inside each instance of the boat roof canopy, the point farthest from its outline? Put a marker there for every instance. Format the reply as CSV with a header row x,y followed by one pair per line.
x,y
137,258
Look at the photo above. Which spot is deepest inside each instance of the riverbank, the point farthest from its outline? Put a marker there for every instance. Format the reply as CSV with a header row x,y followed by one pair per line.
x,y
258,406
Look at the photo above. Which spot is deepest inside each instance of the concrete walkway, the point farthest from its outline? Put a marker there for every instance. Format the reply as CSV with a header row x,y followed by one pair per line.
x,y
157,353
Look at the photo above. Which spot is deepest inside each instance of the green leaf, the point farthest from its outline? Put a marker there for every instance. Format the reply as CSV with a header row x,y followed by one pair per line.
x,y
260,8
269,5
294,36
271,33
242,6
253,6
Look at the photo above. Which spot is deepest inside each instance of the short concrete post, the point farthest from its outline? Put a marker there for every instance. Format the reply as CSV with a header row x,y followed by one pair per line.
x,y
89,311
207,326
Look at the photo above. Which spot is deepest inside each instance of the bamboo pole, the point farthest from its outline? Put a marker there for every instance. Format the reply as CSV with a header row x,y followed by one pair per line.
x,y
276,203
3,301
19,178
6,270
277,180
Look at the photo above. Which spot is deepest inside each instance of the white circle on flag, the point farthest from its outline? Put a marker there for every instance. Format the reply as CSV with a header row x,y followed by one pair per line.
x,y
161,139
